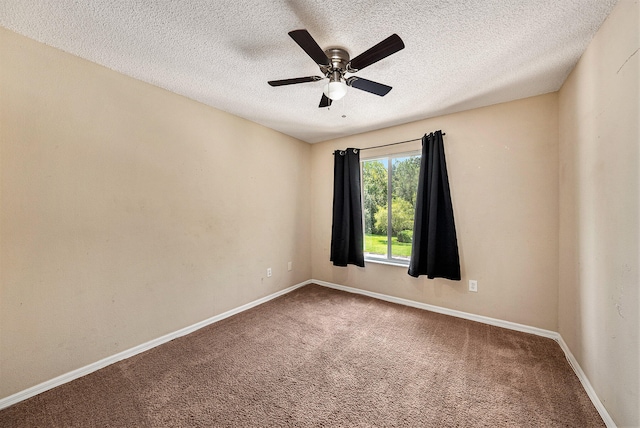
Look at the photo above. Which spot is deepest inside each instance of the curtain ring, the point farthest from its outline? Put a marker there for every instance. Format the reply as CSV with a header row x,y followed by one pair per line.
x,y
341,152
355,151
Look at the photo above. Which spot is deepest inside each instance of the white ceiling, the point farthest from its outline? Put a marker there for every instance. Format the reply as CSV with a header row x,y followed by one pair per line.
x,y
459,54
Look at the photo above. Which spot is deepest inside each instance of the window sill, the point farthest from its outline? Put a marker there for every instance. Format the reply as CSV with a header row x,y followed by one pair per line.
x,y
388,262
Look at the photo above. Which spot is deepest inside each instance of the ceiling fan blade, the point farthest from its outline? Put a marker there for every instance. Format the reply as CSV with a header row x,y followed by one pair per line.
x,y
309,45
294,81
368,86
325,101
388,46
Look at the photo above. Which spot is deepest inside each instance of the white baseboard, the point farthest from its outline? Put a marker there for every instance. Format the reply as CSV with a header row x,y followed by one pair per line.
x,y
459,314
495,322
82,371
586,384
75,374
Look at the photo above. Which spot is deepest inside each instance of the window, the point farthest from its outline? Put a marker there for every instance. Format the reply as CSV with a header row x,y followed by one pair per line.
x,y
389,181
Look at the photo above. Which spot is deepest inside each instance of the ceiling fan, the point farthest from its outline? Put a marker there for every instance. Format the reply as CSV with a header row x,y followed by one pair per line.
x,y
335,63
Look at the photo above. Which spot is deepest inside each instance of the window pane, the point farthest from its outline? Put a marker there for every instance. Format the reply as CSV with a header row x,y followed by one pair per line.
x,y
404,182
374,183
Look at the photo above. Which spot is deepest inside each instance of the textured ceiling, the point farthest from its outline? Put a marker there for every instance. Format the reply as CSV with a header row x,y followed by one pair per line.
x,y
459,54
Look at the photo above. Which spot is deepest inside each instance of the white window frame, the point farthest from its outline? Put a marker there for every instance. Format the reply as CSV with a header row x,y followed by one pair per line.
x,y
388,259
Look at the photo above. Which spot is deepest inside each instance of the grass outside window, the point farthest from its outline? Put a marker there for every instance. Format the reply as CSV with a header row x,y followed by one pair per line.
x,y
377,244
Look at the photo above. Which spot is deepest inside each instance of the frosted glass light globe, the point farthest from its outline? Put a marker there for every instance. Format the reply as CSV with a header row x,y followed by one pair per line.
x,y
335,90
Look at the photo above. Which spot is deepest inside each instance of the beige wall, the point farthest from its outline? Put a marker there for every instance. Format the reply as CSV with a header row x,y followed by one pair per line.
x,y
599,197
503,172
129,212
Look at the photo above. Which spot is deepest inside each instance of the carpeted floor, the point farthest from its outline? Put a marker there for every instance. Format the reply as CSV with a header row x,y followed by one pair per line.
x,y
321,357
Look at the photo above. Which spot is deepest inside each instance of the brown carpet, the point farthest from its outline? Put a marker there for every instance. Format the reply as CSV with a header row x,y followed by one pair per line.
x,y
321,357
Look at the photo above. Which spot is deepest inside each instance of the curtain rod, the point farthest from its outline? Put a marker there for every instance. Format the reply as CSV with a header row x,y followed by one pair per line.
x,y
393,144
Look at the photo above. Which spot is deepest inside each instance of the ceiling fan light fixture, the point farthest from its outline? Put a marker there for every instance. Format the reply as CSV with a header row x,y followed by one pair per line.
x,y
335,90
335,62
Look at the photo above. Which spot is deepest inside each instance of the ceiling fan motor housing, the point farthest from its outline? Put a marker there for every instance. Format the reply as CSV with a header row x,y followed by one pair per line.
x,y
339,58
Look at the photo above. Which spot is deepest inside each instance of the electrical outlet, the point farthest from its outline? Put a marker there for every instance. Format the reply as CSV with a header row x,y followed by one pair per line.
x,y
268,272
290,266
473,285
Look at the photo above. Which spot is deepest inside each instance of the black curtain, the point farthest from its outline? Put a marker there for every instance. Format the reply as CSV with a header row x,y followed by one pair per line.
x,y
347,246
435,248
